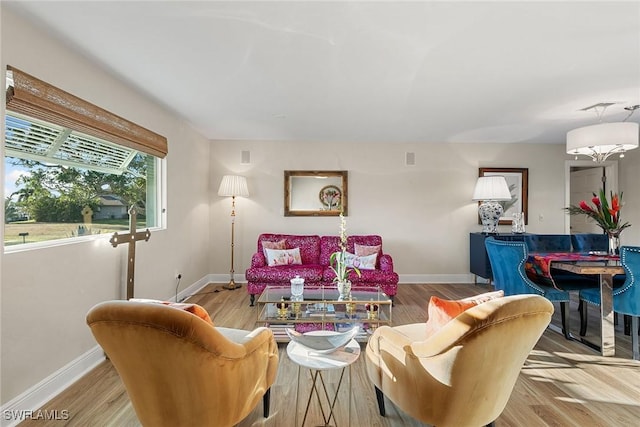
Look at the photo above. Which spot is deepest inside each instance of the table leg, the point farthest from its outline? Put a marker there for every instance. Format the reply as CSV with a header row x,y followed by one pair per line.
x,y
315,374
607,335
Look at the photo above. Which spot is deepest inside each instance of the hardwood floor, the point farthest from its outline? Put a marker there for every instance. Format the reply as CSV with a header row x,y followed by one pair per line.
x,y
563,383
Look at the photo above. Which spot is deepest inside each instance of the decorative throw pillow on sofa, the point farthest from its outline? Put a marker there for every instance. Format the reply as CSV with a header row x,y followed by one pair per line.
x,y
364,250
283,257
280,244
442,311
362,262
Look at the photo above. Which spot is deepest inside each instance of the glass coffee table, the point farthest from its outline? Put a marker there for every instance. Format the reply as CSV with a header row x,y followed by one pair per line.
x,y
320,308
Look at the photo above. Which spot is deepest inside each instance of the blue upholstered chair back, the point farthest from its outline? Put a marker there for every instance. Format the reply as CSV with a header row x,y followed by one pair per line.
x,y
548,242
507,260
626,299
585,242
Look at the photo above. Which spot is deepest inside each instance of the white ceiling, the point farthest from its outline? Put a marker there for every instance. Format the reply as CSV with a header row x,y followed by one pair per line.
x,y
366,71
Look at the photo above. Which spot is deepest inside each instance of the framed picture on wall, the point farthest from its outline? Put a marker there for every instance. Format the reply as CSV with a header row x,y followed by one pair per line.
x,y
518,182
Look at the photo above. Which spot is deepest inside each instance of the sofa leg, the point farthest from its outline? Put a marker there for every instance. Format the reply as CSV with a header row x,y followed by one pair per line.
x,y
252,299
266,400
380,399
564,312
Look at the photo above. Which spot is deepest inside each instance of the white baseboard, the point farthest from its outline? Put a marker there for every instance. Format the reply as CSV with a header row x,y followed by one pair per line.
x,y
27,403
23,406
193,289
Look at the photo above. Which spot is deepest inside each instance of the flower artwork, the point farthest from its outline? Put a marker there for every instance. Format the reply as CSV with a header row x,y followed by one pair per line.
x,y
606,214
330,197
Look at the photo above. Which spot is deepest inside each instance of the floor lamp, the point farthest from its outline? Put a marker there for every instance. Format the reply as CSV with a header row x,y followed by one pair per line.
x,y
233,186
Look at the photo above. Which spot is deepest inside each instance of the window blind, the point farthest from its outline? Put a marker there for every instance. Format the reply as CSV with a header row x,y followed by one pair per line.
x,y
34,98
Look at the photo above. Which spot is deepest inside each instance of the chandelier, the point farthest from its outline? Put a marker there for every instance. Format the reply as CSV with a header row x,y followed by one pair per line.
x,y
604,139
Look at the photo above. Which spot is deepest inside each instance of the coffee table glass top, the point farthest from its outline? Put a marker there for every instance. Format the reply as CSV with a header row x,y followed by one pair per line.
x,y
274,294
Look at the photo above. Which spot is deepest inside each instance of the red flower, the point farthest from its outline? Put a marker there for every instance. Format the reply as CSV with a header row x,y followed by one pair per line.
x,y
585,207
596,201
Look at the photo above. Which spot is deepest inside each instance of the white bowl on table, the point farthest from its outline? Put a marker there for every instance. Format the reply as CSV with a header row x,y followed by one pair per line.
x,y
323,341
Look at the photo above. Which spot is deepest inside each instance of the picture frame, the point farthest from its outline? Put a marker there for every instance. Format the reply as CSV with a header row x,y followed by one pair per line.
x,y
518,182
315,193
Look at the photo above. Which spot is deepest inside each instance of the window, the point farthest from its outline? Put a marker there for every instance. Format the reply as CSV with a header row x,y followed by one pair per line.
x,y
73,169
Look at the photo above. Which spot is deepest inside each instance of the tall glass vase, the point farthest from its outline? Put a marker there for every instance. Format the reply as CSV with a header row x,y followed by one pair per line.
x,y
344,289
614,242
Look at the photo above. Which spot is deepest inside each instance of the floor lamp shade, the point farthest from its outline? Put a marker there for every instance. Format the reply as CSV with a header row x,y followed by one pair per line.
x,y
233,186
491,190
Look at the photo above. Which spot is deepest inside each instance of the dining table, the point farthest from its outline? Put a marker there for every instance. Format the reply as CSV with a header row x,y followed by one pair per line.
x,y
603,266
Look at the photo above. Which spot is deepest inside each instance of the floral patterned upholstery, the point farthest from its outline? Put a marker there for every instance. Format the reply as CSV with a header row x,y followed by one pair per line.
x,y
315,252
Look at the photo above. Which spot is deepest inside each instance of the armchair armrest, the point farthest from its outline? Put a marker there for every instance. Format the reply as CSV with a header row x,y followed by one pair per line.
x,y
386,263
258,260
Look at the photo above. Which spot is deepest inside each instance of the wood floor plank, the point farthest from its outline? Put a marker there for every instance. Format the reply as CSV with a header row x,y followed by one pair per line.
x,y
563,383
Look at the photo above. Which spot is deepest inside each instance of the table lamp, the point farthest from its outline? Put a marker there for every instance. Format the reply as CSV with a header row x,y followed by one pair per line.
x,y
490,190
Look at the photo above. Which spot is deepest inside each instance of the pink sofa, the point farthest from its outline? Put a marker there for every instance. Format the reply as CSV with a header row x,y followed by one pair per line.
x,y
315,252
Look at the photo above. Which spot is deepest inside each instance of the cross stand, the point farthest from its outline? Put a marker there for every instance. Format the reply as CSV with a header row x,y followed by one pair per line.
x,y
131,237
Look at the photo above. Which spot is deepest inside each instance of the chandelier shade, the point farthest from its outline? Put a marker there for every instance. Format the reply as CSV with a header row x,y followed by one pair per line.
x,y
604,139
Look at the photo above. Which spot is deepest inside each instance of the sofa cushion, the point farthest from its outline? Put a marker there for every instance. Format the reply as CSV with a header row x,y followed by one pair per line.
x,y
361,262
283,257
280,244
309,245
364,250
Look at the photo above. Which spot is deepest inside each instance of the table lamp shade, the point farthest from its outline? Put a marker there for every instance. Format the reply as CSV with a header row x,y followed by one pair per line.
x,y
491,188
234,186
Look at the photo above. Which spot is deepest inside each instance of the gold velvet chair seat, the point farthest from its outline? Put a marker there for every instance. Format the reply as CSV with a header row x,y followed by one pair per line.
x,y
180,370
464,373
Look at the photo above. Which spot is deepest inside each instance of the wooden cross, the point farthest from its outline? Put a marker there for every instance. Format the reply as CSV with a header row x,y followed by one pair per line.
x,y
131,237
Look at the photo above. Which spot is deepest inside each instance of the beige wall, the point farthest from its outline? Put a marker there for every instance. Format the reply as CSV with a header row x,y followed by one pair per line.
x,y
46,293
424,212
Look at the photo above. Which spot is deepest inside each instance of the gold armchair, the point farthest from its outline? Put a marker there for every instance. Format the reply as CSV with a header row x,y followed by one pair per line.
x,y
180,370
464,373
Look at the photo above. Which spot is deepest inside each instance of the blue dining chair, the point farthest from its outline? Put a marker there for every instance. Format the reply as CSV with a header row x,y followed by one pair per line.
x,y
507,259
626,298
587,242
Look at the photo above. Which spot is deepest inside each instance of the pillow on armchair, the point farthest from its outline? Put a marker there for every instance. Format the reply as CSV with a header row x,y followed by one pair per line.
x,y
442,311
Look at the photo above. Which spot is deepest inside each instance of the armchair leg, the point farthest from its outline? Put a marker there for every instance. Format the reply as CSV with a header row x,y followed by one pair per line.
x,y
583,319
564,311
380,399
266,400
252,299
